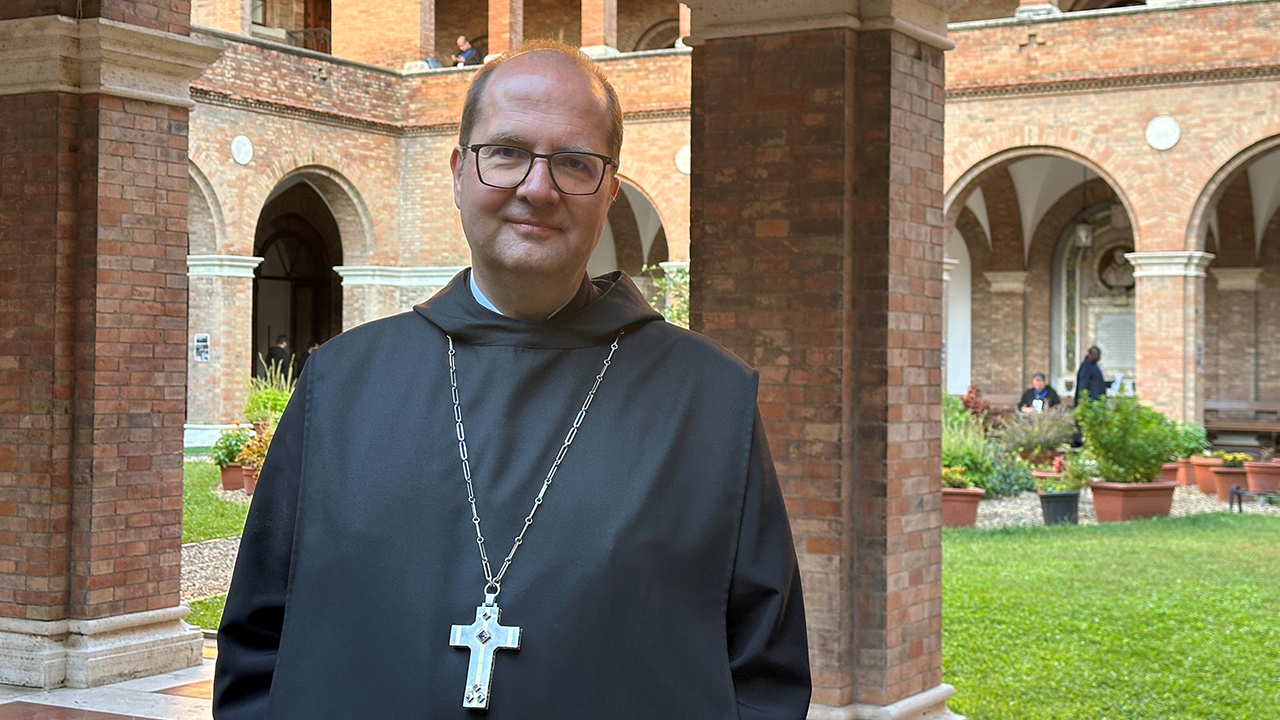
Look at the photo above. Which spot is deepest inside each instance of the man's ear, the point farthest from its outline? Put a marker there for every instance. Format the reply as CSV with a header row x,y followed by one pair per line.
x,y
455,165
613,189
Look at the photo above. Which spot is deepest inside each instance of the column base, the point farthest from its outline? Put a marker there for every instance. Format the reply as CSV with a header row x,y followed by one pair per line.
x,y
89,653
928,705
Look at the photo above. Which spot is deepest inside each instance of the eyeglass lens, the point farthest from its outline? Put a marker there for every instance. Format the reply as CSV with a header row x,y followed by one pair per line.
x,y
506,167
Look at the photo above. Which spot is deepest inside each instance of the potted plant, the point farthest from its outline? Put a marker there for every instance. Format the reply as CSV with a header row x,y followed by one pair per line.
x,y
1059,488
1202,465
1263,476
1191,441
225,451
1034,436
1129,443
959,498
251,458
1230,472
268,395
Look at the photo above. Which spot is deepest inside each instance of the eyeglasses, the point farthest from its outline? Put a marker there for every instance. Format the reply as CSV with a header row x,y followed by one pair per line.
x,y
574,173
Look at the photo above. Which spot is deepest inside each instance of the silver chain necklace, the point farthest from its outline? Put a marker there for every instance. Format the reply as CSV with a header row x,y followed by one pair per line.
x,y
485,636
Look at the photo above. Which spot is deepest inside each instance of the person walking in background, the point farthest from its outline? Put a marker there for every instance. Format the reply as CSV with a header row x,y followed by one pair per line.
x,y
1040,396
278,354
1089,378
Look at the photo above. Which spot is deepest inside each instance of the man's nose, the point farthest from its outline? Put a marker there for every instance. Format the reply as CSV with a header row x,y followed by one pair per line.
x,y
538,187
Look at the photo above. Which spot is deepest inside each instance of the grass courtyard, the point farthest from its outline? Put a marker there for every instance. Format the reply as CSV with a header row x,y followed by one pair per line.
x,y
1166,619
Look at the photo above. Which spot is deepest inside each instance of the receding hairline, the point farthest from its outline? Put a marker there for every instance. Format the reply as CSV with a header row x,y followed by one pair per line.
x,y
602,89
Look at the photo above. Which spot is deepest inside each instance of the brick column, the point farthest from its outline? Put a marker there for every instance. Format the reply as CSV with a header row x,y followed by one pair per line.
x,y
816,255
220,297
599,27
1237,333
92,342
1008,325
506,25
1169,336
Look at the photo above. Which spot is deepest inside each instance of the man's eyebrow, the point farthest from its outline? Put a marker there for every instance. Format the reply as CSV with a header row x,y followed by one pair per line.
x,y
505,138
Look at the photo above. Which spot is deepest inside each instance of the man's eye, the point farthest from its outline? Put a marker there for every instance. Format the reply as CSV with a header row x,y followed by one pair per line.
x,y
507,153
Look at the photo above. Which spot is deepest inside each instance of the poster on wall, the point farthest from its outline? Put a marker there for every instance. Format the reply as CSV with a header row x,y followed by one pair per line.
x,y
200,347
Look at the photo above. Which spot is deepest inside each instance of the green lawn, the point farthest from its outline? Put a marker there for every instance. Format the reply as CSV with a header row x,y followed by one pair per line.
x,y
207,613
1171,619
204,515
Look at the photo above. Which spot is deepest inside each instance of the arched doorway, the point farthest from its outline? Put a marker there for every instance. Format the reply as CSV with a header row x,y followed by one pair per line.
x,y
1041,239
296,293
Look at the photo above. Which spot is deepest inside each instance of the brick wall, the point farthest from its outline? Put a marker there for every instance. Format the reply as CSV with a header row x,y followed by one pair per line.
x,y
637,16
557,19
164,15
225,15
458,18
37,363
379,33
846,338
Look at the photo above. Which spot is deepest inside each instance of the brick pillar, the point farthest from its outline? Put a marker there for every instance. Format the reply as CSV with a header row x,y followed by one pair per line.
x,y
1169,336
685,21
427,29
599,27
92,343
1008,325
816,255
221,297
506,25
1237,333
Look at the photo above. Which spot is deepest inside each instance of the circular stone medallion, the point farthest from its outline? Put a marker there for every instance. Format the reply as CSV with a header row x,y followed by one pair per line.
x,y
1163,132
241,149
683,160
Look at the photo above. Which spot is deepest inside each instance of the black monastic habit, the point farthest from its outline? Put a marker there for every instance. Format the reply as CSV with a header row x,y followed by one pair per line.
x,y
658,581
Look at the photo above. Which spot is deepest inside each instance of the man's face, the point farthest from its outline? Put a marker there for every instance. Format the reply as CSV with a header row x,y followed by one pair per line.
x,y
463,44
1037,383
544,104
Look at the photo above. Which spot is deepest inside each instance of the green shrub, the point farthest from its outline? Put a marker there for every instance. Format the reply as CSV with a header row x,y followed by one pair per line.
x,y
228,446
1190,439
1037,431
1011,476
1128,440
953,477
964,444
672,299
269,394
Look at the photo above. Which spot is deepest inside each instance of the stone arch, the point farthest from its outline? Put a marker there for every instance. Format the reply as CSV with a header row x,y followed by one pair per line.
x,y
662,34
1198,224
206,226
342,187
963,184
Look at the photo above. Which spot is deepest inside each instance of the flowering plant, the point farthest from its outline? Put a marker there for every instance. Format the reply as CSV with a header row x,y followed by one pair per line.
x,y
254,452
953,477
1232,460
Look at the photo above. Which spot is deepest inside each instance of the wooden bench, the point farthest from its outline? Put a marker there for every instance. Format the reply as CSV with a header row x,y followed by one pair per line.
x,y
1270,428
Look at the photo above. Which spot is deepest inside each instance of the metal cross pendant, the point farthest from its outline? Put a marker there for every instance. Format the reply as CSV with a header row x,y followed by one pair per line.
x,y
484,637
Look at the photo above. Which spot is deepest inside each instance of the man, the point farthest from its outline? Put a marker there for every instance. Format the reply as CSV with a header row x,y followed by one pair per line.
x,y
278,354
378,574
1040,396
467,55
1089,378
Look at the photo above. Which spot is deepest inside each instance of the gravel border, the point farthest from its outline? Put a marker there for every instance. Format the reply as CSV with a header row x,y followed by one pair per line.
x,y
207,566
1024,509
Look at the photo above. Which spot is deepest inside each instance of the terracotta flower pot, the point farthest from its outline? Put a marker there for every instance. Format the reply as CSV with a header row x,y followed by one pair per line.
x,y
1186,476
232,477
250,479
960,506
1117,502
1263,478
1225,477
1204,474
1170,471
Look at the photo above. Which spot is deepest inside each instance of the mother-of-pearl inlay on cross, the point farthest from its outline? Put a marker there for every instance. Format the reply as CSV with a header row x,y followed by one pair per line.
x,y
484,637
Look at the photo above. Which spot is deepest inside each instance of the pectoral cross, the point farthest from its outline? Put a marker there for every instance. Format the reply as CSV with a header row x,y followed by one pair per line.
x,y
484,637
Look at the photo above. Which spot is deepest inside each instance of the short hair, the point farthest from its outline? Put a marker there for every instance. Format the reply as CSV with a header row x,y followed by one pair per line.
x,y
475,93
1095,350
1039,375
281,338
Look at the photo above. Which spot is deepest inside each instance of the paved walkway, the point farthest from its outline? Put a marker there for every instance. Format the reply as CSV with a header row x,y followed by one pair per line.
x,y
180,695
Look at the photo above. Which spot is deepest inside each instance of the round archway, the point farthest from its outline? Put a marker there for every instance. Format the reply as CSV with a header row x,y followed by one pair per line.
x,y
633,237
1040,238
297,296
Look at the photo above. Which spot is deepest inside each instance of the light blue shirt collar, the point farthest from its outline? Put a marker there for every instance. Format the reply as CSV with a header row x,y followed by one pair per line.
x,y
479,296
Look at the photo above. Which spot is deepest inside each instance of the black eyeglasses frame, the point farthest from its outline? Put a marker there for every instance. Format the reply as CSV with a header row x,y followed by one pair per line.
x,y
547,156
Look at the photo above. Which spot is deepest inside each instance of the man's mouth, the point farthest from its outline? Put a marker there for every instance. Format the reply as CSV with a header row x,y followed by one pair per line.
x,y
534,226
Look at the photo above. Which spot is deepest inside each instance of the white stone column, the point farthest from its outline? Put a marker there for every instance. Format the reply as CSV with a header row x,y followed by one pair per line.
x,y
1169,330
220,306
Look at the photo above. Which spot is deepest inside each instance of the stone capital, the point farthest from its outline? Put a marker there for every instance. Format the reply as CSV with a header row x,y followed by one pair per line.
x,y
922,20
948,264
241,266
1008,281
53,53
1181,263
1239,279
385,275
